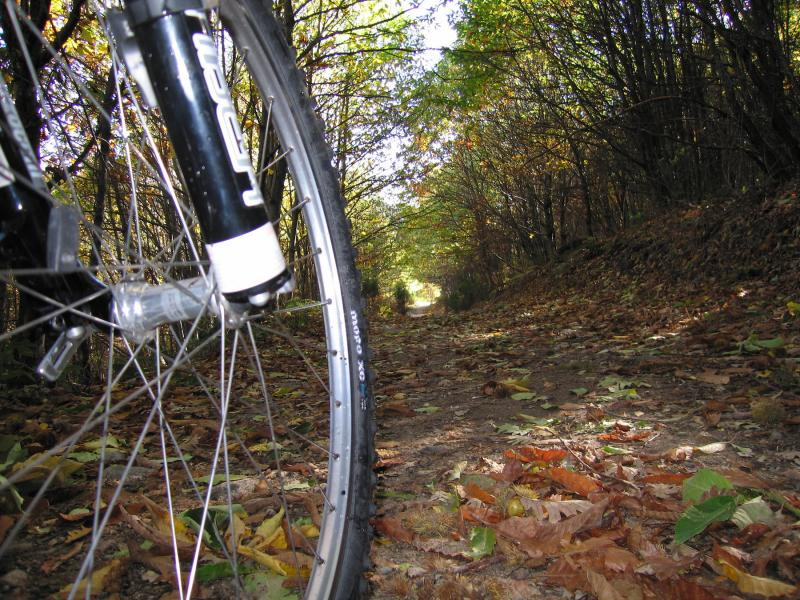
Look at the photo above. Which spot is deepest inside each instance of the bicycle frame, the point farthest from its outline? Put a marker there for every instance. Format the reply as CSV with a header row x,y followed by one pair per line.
x,y
183,77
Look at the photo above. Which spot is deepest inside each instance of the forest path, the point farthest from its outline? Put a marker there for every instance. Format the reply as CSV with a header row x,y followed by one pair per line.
x,y
478,412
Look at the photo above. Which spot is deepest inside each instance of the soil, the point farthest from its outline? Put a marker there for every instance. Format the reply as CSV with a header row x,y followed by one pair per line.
x,y
677,369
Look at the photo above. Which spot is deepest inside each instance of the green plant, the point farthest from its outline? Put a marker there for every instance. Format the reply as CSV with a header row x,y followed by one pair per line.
x,y
370,287
463,289
402,297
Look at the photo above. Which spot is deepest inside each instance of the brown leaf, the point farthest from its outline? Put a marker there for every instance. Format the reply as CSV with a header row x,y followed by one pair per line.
x,y
713,378
495,388
624,436
480,514
385,463
164,564
443,546
538,539
52,564
512,470
670,478
729,555
398,407
393,527
601,588
679,454
6,523
619,559
575,482
743,479
473,490
555,510
531,454
684,589
161,540
751,533
565,573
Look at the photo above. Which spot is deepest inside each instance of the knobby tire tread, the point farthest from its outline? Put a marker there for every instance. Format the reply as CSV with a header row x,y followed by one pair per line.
x,y
354,557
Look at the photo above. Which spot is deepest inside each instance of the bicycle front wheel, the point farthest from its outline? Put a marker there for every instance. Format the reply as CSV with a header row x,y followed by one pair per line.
x,y
208,458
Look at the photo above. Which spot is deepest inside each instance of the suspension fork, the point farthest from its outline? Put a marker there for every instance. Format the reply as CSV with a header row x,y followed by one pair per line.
x,y
187,82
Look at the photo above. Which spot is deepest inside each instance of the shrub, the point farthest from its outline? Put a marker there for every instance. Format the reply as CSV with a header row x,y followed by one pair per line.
x,y
370,287
402,297
463,289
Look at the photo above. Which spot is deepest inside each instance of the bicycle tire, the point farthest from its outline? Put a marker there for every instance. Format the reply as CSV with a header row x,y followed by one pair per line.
x,y
341,552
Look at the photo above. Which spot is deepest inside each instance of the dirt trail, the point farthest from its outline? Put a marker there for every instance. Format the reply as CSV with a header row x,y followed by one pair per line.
x,y
633,394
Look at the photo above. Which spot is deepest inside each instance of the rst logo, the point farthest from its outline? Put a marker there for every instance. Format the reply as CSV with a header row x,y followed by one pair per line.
x,y
226,116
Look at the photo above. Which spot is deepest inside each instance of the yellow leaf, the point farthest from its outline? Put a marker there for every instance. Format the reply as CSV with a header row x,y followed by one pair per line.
x,y
161,518
750,584
296,564
64,468
515,385
277,541
77,534
310,530
236,530
268,528
291,571
98,578
262,558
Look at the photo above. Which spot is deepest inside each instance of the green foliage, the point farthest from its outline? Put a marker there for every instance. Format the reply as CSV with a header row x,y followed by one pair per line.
x,y
481,542
696,518
464,289
370,287
402,297
701,483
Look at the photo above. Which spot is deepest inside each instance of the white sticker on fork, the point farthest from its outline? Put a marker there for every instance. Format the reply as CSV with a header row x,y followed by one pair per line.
x,y
6,175
226,116
247,260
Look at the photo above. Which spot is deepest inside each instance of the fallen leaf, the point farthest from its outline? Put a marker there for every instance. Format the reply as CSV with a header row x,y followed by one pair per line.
x,y
481,542
625,436
575,482
6,523
539,539
750,584
531,454
554,510
100,580
475,491
77,534
601,588
393,527
702,483
262,558
670,478
76,514
477,514
713,378
712,448
696,518
52,564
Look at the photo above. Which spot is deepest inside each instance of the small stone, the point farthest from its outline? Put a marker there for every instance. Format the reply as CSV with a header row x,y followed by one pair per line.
x,y
15,578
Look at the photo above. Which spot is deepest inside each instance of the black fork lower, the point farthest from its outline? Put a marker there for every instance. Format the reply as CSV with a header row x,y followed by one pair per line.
x,y
190,88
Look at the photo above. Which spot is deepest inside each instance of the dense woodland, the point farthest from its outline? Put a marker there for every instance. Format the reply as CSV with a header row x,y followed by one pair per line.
x,y
567,121
545,125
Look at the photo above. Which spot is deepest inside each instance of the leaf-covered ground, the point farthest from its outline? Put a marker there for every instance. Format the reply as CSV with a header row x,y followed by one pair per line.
x,y
598,435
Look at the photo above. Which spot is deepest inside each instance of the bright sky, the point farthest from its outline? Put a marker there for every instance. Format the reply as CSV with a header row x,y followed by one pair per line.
x,y
437,32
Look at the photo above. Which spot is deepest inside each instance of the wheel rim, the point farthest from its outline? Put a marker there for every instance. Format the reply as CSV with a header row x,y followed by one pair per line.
x,y
175,359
